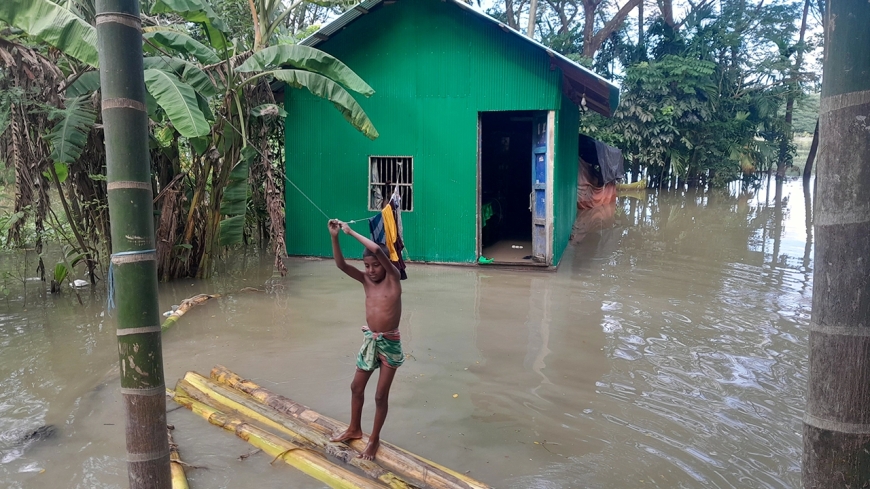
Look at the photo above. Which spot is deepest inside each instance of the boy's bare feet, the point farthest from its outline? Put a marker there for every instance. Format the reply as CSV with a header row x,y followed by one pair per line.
x,y
347,436
371,449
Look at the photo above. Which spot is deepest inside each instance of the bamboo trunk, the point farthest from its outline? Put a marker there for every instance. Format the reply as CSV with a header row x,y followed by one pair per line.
x,y
133,263
391,457
309,462
231,402
836,430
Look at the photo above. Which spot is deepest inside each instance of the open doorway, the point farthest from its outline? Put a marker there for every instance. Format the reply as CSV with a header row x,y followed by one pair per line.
x,y
506,186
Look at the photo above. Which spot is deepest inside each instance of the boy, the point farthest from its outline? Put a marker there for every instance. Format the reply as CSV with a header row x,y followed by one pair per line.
x,y
381,346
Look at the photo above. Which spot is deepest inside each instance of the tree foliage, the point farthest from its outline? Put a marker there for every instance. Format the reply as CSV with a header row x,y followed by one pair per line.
x,y
215,121
704,85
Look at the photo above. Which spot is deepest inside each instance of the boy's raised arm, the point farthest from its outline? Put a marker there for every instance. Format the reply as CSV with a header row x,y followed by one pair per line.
x,y
375,249
352,271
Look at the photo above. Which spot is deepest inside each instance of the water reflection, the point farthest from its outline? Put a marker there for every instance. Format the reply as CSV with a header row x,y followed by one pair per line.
x,y
669,350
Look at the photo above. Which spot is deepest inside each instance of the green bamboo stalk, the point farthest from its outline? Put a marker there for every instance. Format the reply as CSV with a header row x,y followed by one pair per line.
x,y
836,427
134,265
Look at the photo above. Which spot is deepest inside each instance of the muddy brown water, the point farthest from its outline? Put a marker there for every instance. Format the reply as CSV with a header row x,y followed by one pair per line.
x,y
668,350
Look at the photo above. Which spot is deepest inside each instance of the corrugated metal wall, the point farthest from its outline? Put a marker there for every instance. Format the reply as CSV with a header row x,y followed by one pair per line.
x,y
433,67
565,176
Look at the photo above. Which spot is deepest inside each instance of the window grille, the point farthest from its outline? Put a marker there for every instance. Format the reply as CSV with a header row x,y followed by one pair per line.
x,y
387,173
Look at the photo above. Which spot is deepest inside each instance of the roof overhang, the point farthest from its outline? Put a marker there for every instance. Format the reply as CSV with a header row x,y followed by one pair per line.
x,y
579,82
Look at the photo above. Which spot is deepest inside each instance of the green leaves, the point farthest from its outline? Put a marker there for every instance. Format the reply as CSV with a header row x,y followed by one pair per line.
x,y
232,230
318,72
309,59
54,25
85,84
182,43
325,88
199,12
187,72
235,199
68,137
178,100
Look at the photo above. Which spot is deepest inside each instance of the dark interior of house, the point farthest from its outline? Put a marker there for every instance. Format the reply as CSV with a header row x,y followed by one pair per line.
x,y
506,181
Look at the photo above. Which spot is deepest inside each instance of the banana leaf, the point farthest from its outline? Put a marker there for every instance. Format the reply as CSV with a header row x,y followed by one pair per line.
x,y
178,100
186,71
182,43
53,25
325,88
235,198
309,59
85,84
199,12
70,134
232,229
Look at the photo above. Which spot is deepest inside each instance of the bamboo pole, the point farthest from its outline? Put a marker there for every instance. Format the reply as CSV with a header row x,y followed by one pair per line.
x,y
836,429
389,456
133,268
179,480
307,461
185,306
232,402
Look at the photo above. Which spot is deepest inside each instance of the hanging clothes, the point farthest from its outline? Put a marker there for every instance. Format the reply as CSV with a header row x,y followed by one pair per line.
x,y
385,230
391,232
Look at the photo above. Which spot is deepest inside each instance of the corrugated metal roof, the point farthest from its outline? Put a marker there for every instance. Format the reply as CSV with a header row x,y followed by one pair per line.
x,y
604,98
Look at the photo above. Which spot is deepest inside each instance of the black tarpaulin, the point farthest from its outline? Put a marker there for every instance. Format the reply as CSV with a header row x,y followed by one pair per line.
x,y
606,163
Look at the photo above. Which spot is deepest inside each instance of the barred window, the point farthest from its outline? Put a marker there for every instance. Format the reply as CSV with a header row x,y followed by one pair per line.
x,y
389,173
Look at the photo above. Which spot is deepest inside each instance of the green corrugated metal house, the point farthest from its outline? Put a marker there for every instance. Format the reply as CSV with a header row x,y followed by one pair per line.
x,y
478,129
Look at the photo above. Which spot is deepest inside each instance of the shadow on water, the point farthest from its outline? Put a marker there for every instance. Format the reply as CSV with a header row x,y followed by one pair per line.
x,y
668,350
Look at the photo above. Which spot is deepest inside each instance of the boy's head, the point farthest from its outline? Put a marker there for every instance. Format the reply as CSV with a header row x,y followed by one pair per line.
x,y
374,269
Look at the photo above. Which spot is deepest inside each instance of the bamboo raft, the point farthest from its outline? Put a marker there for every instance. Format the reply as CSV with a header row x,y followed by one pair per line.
x,y
299,436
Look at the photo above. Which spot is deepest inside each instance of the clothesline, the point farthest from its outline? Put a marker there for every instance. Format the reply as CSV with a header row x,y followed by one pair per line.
x,y
395,192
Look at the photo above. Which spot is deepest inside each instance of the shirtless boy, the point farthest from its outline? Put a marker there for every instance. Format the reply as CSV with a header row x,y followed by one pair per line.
x,y
381,346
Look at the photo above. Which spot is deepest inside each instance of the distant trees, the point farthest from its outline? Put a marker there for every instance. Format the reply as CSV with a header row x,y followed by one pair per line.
x,y
710,89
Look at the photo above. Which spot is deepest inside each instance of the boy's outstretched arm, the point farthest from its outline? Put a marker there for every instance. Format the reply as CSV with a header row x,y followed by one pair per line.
x,y
374,248
352,271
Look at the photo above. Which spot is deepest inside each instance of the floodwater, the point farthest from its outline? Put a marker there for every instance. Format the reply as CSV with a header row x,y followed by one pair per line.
x,y
668,351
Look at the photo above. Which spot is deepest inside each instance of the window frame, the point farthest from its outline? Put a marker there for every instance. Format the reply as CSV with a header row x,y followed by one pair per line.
x,y
409,185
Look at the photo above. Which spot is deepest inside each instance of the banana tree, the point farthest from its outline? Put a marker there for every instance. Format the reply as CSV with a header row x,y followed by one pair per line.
x,y
206,101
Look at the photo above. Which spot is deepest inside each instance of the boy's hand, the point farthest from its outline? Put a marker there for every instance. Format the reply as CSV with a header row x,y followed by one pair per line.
x,y
345,227
334,226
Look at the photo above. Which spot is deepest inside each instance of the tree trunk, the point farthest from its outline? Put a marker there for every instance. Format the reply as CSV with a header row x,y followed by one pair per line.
x,y
133,265
533,12
793,88
589,7
836,428
667,8
811,157
640,24
509,13
83,247
592,44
